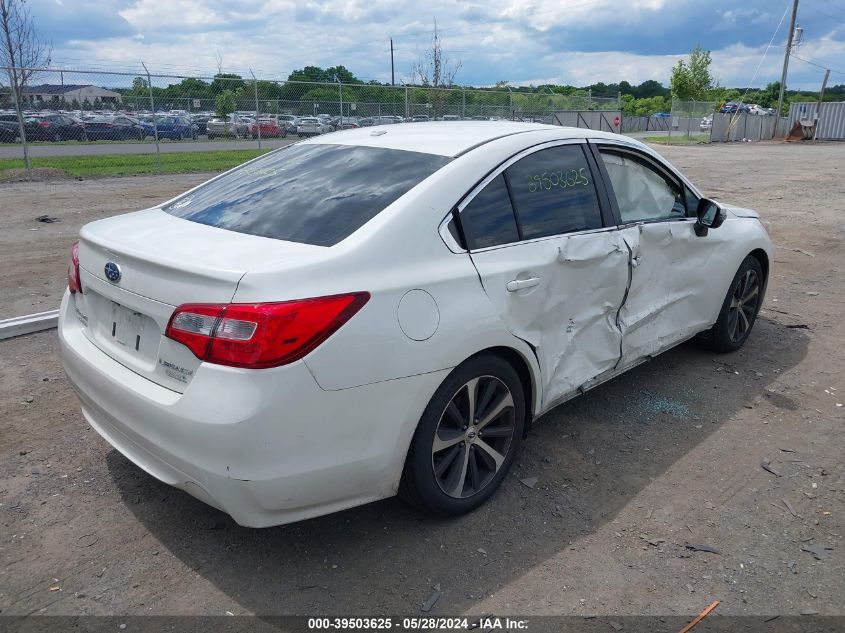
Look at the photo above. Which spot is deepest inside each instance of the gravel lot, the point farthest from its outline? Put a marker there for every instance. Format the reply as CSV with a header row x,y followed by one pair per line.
x,y
667,455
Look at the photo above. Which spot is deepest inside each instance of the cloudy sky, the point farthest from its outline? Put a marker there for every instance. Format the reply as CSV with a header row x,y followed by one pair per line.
x,y
522,41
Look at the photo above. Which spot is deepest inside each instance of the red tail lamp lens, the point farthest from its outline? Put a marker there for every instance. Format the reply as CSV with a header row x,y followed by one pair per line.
x,y
73,282
261,335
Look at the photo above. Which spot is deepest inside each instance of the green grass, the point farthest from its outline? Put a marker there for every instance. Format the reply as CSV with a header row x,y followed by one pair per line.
x,y
678,139
136,164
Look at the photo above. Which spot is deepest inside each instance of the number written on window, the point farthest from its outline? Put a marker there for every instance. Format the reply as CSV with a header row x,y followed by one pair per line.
x,y
549,179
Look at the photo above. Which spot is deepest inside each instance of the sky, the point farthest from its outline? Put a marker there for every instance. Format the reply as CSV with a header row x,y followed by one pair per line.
x,y
523,42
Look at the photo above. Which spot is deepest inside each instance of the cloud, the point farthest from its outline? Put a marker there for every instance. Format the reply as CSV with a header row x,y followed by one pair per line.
x,y
522,41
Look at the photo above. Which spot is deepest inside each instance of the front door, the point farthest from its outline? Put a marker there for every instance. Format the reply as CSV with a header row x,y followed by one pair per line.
x,y
670,298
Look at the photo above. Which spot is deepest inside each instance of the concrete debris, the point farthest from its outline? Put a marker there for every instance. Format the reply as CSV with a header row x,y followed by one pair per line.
x,y
528,482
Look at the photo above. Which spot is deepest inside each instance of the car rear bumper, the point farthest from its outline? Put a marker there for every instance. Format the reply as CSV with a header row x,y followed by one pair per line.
x,y
267,446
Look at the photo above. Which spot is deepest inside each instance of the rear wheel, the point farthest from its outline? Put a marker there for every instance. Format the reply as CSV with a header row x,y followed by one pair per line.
x,y
740,308
467,438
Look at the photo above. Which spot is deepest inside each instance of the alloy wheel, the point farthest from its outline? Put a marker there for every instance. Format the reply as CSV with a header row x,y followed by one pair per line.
x,y
743,307
473,437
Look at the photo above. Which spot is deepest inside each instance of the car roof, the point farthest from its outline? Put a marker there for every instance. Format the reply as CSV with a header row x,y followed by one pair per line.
x,y
446,138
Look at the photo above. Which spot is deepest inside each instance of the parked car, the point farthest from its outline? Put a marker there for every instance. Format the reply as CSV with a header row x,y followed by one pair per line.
x,y
732,107
290,122
269,343
451,117
114,128
366,121
347,123
53,127
420,118
270,128
200,123
706,124
169,126
233,125
9,127
753,108
312,126
9,131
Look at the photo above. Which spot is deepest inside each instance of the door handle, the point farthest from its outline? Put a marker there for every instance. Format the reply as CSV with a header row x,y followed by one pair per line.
x,y
519,284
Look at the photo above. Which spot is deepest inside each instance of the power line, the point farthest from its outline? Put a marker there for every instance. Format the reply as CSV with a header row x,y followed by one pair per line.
x,y
813,63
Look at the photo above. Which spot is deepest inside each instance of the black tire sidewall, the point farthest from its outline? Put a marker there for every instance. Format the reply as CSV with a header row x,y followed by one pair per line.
x,y
721,339
418,476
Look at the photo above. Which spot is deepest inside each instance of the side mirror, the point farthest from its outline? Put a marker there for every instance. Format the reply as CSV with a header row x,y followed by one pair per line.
x,y
710,216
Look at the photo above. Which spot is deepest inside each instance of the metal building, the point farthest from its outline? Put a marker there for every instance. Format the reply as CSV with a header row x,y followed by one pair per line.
x,y
832,123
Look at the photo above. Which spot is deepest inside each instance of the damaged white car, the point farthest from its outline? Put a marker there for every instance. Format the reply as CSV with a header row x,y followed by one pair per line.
x,y
383,311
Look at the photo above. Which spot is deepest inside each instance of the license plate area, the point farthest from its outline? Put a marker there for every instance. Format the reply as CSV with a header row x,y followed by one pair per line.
x,y
127,326
122,331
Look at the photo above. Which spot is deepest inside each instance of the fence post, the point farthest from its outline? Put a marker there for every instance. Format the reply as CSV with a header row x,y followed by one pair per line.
x,y
155,120
671,110
13,84
463,103
257,109
340,93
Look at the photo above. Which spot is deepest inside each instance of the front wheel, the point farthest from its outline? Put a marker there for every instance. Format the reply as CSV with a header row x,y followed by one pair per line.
x,y
739,309
467,438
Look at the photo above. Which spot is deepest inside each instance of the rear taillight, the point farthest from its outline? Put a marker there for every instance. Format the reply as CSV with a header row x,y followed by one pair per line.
x,y
43,124
73,282
260,335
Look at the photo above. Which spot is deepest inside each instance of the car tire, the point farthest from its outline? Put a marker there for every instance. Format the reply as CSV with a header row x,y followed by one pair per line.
x,y
210,137
739,309
452,467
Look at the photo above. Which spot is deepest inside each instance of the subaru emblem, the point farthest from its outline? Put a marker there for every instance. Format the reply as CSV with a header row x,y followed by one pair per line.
x,y
112,271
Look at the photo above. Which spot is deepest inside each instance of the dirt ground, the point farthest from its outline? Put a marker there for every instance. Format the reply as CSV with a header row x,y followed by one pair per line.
x,y
665,456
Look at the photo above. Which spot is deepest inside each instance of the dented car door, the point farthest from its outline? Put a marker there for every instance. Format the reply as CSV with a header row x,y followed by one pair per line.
x,y
553,268
669,299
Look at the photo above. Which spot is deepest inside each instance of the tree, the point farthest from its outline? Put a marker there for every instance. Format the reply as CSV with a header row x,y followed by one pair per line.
x,y
224,104
227,81
434,71
431,69
691,80
21,51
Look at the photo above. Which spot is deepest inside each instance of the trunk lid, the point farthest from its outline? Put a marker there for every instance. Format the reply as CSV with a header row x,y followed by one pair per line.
x,y
137,268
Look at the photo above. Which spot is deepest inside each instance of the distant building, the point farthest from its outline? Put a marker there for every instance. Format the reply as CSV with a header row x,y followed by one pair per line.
x,y
69,93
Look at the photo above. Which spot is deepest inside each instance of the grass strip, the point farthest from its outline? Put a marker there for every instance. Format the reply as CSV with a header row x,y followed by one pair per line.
x,y
98,166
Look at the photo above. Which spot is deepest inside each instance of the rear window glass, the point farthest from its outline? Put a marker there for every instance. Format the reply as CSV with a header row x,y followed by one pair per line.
x,y
313,194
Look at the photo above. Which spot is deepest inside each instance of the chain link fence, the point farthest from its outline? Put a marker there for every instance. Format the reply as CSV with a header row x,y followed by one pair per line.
x,y
78,106
691,121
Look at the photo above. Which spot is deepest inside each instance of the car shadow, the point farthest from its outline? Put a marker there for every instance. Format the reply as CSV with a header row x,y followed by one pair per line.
x,y
590,456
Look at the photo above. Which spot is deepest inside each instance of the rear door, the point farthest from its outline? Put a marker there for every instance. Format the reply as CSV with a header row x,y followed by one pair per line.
x,y
542,239
671,296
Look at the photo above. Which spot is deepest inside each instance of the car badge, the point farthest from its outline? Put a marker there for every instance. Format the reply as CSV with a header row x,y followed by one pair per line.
x,y
112,271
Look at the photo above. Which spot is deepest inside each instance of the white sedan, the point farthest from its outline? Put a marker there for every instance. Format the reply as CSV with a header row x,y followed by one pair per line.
x,y
312,126
281,344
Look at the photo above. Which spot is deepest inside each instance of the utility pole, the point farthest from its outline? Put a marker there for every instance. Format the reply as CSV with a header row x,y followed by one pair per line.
x,y
786,53
819,106
392,76
155,118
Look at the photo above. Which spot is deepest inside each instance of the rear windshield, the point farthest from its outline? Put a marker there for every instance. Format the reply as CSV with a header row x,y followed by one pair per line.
x,y
313,194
